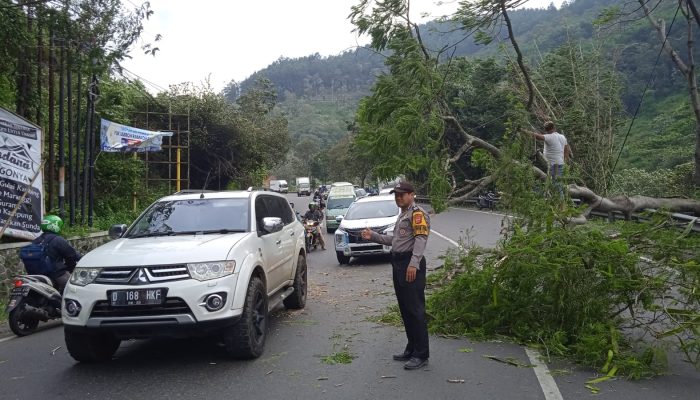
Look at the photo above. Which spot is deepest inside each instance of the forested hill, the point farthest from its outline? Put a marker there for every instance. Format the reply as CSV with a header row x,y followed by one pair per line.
x,y
537,30
319,94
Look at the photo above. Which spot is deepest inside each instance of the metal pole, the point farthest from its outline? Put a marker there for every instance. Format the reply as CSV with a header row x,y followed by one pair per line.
x,y
188,148
170,147
177,170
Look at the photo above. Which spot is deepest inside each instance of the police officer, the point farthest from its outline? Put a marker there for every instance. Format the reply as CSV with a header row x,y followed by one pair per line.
x,y
408,270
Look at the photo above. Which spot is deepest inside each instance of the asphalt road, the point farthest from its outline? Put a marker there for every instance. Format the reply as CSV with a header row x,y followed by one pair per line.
x,y
341,298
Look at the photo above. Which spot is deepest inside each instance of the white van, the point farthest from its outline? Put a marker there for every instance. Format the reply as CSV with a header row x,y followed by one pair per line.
x,y
303,186
279,186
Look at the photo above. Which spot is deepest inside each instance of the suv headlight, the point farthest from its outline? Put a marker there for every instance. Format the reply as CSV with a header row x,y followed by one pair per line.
x,y
340,237
389,230
211,270
82,276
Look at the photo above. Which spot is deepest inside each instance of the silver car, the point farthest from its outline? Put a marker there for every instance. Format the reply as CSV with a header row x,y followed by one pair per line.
x,y
378,213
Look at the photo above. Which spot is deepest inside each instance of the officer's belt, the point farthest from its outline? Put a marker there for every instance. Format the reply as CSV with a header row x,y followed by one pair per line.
x,y
401,255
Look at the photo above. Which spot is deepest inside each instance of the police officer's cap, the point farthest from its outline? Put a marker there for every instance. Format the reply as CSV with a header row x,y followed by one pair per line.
x,y
403,187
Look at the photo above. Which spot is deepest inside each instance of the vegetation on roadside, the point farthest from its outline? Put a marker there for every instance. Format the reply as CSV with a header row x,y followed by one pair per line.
x,y
615,297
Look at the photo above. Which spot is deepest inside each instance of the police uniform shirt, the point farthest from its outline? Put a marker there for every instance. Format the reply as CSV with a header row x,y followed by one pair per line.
x,y
410,234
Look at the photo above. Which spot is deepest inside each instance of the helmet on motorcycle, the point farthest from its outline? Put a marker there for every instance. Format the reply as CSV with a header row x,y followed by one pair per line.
x,y
312,206
52,223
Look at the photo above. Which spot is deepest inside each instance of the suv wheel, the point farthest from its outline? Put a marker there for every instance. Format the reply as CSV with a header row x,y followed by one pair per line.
x,y
342,259
298,298
246,339
91,347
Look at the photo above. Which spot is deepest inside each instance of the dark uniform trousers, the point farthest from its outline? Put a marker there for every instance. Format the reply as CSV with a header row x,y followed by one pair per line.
x,y
411,299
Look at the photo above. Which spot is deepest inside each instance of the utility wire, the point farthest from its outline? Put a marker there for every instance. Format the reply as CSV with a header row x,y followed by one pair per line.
x,y
641,99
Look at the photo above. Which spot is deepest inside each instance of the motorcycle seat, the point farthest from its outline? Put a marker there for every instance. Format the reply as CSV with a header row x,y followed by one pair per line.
x,y
40,278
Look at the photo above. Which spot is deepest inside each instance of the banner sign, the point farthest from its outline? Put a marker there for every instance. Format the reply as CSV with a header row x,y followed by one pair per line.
x,y
121,138
20,161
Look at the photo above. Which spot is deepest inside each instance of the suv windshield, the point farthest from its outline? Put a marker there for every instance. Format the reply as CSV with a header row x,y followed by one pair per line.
x,y
373,209
339,202
192,216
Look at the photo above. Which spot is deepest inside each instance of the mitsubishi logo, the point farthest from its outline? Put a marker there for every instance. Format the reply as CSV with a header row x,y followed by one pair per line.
x,y
139,278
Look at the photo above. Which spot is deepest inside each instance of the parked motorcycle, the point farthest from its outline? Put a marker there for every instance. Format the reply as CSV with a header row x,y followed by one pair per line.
x,y
312,234
32,299
487,200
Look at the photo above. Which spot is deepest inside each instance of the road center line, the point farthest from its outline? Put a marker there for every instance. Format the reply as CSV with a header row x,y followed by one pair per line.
x,y
479,211
547,383
452,242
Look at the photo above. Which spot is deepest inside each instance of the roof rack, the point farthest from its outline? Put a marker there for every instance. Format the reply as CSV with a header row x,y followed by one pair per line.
x,y
193,191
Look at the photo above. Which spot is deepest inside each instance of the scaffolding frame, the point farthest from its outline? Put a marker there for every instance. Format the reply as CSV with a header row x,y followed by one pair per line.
x,y
177,148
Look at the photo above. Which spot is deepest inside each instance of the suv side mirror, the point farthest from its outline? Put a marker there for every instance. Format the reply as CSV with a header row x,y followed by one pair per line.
x,y
272,224
339,218
116,231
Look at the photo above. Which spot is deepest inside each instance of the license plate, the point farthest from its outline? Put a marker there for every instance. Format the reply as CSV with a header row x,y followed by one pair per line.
x,y
20,291
136,297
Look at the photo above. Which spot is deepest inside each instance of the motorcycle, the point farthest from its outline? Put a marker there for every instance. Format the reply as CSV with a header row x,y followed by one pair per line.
x,y
487,200
312,234
32,299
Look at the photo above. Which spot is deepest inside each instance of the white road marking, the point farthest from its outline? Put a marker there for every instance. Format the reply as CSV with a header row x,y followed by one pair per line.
x,y
452,242
7,338
547,383
479,211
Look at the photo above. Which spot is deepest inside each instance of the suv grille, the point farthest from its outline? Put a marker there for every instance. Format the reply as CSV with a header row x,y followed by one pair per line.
x,y
161,273
354,235
172,305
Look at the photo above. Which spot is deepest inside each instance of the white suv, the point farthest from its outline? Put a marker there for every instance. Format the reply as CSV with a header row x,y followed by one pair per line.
x,y
192,264
378,213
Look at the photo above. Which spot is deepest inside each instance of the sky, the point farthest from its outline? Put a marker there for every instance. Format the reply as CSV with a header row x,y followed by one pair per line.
x,y
224,40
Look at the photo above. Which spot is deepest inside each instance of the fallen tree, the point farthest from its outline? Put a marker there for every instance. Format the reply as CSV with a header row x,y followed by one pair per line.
x,y
426,112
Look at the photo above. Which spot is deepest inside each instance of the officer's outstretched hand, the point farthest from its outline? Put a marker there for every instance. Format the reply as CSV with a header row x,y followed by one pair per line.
x,y
366,234
411,273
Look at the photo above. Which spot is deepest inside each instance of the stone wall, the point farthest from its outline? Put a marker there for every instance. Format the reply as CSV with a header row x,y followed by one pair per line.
x,y
10,264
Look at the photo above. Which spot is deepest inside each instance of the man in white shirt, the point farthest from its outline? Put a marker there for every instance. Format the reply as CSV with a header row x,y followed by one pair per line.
x,y
556,150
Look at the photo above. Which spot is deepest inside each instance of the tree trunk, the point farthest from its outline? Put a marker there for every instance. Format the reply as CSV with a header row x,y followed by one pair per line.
x,y
693,88
69,116
521,63
50,144
628,205
39,50
61,132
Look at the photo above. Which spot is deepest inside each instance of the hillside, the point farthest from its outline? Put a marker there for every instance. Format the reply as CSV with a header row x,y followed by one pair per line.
x,y
318,95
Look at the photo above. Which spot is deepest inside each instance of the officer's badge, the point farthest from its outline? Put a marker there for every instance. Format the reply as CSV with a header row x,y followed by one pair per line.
x,y
419,224
402,232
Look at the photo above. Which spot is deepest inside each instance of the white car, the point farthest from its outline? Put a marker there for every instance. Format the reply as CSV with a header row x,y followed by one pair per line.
x,y
378,213
193,264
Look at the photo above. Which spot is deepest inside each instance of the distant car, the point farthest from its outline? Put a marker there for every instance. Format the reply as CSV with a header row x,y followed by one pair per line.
x,y
386,191
360,193
198,264
339,199
378,213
